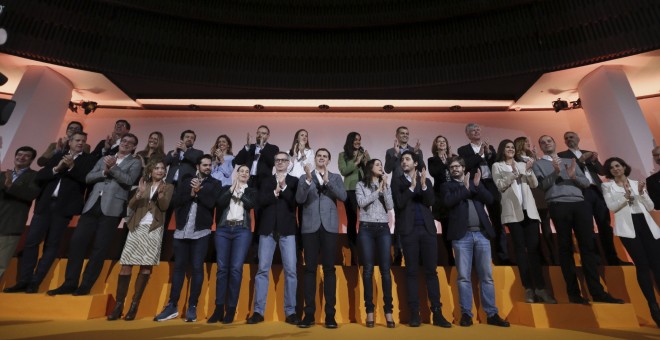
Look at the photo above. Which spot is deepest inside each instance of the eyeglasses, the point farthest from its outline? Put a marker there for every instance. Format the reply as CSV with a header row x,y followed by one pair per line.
x,y
281,160
127,141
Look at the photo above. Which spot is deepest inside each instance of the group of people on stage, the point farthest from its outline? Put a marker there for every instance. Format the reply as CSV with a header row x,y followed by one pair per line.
x,y
293,197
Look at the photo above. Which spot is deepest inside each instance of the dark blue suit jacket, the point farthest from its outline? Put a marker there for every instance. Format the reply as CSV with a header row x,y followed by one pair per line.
x,y
404,205
455,197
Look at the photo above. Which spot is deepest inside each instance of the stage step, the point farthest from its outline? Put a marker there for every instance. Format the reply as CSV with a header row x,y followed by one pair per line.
x,y
565,315
63,307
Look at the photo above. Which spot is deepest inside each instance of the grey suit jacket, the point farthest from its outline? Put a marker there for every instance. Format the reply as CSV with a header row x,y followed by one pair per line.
x,y
115,186
320,203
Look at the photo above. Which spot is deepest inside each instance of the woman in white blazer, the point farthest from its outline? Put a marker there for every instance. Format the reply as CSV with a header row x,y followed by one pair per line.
x,y
514,179
640,235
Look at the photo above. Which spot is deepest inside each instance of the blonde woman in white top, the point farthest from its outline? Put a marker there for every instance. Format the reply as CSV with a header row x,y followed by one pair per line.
x,y
514,179
640,235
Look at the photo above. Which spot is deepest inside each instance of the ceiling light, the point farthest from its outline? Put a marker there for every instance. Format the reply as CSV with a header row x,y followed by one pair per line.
x,y
559,105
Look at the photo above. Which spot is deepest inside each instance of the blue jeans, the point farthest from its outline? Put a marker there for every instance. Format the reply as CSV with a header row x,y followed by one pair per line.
x,y
474,245
231,247
267,246
375,240
188,251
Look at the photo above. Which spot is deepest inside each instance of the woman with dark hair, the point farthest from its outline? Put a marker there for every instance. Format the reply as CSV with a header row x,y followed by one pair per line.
x,y
526,151
145,235
374,197
439,170
351,161
155,149
301,154
637,230
514,179
221,167
232,240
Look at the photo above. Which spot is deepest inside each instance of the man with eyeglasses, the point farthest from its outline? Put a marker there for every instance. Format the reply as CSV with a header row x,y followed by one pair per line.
x,y
112,177
62,144
110,145
277,199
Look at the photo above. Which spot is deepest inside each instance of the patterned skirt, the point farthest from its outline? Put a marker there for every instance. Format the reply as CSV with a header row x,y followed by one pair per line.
x,y
142,246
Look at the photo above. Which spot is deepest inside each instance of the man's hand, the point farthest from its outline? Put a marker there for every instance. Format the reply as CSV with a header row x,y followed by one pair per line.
x,y
570,169
477,177
8,178
308,172
423,178
556,163
417,147
396,148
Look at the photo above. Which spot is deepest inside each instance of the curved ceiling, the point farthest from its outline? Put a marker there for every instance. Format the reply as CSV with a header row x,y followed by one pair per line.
x,y
336,49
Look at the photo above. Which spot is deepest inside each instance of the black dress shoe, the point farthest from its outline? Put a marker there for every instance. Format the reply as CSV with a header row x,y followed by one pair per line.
x,y
17,288
607,298
415,320
81,291
61,290
578,299
32,288
466,320
330,322
306,322
292,319
218,314
495,320
255,319
439,320
370,323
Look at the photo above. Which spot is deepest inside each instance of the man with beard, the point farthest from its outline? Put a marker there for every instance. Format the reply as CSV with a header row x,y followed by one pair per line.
x,y
591,167
318,192
112,177
563,181
62,197
18,189
469,230
194,203
62,144
110,145
182,161
413,197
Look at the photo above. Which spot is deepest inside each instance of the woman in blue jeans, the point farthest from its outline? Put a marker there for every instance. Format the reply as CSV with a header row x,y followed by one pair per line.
x,y
374,197
232,240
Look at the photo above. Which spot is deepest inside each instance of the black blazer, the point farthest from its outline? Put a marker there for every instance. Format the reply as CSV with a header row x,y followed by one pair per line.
x,y
404,205
594,168
186,166
653,187
265,163
98,150
455,196
71,196
16,201
437,170
473,160
278,213
206,198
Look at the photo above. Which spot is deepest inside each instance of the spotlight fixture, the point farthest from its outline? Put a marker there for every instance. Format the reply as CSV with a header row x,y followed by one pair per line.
x,y
388,107
559,105
89,107
258,107
576,104
324,107
73,107
455,108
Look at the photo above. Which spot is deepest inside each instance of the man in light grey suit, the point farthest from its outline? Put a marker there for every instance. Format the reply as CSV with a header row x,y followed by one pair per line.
x,y
318,192
112,177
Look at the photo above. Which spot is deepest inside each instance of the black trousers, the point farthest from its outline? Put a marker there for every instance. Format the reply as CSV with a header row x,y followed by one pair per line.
x,y
351,207
576,217
645,252
495,214
525,235
325,243
594,197
419,241
96,228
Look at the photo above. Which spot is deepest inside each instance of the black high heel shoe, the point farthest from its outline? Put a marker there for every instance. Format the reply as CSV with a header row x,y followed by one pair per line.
x,y
370,324
390,324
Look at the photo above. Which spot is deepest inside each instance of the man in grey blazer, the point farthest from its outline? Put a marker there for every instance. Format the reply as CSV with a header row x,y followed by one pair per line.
x,y
112,177
18,189
318,192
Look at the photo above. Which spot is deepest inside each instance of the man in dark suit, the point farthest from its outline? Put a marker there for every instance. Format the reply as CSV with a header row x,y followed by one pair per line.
x,y
393,165
110,145
469,229
182,161
479,154
318,192
277,198
62,143
592,168
112,177
260,157
18,188
62,197
413,197
653,182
